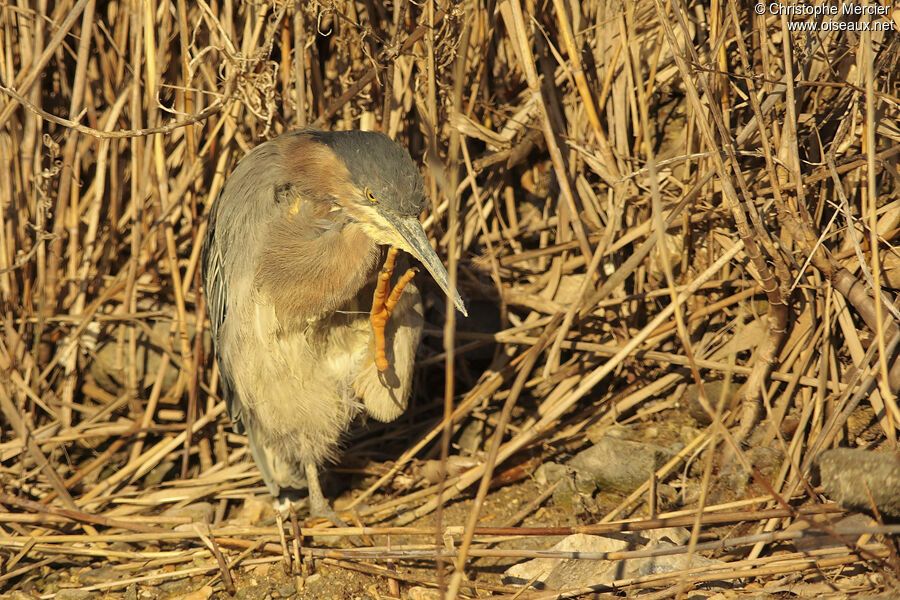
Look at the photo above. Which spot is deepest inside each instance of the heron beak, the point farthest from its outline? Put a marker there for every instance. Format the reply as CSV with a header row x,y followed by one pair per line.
x,y
412,239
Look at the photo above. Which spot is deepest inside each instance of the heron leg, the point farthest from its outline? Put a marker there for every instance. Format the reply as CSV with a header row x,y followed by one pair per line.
x,y
318,505
383,303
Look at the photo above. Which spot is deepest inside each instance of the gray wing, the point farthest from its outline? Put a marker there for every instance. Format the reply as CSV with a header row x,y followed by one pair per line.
x,y
213,272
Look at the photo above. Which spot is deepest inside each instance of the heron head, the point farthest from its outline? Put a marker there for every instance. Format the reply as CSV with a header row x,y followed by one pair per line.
x,y
386,196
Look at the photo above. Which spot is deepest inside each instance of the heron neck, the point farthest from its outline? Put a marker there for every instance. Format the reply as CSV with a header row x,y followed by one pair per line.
x,y
306,277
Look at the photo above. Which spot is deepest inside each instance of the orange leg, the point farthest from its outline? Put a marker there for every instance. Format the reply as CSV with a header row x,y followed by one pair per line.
x,y
383,303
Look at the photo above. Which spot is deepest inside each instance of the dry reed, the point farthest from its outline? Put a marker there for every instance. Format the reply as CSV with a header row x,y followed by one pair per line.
x,y
634,197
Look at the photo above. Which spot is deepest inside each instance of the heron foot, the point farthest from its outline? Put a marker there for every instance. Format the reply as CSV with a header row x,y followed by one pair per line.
x,y
318,505
383,303
319,508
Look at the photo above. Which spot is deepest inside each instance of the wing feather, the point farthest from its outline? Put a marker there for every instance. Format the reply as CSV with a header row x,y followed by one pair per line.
x,y
213,273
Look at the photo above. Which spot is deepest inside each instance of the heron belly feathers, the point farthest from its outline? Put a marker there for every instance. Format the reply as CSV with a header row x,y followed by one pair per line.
x,y
301,385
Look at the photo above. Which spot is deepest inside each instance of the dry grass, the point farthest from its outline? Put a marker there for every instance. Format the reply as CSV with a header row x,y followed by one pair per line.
x,y
636,197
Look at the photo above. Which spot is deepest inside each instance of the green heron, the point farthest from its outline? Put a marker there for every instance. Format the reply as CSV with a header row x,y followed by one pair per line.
x,y
297,307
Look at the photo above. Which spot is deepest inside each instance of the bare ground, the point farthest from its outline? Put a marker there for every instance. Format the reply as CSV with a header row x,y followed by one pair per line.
x,y
649,196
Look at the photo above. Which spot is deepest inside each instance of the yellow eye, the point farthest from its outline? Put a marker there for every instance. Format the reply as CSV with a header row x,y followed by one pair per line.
x,y
371,196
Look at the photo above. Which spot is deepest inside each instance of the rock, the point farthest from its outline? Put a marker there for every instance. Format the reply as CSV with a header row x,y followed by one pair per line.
x,y
597,432
108,365
471,439
424,593
99,575
433,470
797,586
862,424
674,536
617,464
765,459
198,512
789,425
738,596
549,473
713,390
556,574
253,511
158,473
847,473
732,480
549,571
263,571
176,588
74,594
121,547
663,564
204,593
253,592
816,538
568,288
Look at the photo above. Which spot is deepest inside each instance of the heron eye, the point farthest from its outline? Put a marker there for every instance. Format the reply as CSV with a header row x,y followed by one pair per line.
x,y
371,196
